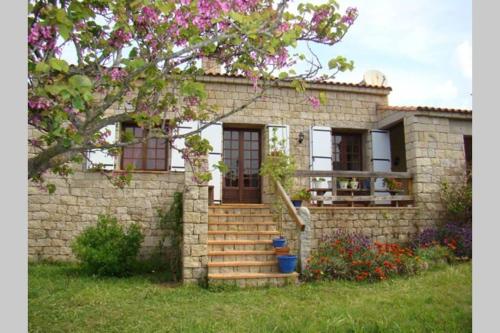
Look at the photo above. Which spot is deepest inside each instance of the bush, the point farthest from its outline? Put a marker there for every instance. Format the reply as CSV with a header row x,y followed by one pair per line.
x,y
435,254
355,257
457,200
457,238
107,249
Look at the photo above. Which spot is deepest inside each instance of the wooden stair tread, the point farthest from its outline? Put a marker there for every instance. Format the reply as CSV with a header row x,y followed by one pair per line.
x,y
240,253
238,215
239,241
233,276
229,206
242,232
241,263
241,223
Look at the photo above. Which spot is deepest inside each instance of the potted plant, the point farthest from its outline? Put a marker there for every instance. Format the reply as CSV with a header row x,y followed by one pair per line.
x,y
392,184
318,182
343,183
279,242
354,184
287,263
301,195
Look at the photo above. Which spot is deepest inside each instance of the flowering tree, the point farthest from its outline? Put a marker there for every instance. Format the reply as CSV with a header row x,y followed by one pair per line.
x,y
142,57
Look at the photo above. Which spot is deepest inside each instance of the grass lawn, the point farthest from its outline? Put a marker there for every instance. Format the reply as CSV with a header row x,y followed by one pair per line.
x,y
62,300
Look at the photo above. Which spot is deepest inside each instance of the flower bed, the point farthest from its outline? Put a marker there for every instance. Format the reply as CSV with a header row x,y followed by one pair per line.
x,y
355,257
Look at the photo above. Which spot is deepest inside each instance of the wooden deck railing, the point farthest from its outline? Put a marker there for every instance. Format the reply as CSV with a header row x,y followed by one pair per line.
x,y
292,211
331,193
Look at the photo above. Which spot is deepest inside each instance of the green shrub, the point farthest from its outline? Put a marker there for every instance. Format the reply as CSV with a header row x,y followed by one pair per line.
x,y
457,200
435,255
108,249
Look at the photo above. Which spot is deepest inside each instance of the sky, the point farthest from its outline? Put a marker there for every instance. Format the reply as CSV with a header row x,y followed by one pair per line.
x,y
423,47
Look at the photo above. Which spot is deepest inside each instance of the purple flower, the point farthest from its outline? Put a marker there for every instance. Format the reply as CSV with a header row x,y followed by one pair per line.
x,y
39,103
42,37
350,15
117,74
314,101
119,38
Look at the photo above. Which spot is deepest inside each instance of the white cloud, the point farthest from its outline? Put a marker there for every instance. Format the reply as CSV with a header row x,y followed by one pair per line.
x,y
464,56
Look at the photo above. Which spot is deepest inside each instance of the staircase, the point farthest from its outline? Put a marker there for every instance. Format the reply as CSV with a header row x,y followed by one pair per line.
x,y
240,247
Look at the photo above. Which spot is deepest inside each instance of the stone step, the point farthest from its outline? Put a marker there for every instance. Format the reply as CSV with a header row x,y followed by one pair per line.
x,y
253,279
239,209
242,263
242,226
240,205
240,218
240,245
242,257
245,235
269,266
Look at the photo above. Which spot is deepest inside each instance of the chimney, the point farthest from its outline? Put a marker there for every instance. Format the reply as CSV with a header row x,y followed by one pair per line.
x,y
210,65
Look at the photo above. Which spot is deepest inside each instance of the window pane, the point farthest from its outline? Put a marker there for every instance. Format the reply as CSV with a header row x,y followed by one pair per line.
x,y
160,164
150,164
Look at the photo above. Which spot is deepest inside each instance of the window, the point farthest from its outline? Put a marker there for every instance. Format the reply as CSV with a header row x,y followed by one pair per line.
x,y
468,152
347,151
150,155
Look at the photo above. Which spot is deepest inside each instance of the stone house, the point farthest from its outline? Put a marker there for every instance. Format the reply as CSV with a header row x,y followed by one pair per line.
x,y
228,223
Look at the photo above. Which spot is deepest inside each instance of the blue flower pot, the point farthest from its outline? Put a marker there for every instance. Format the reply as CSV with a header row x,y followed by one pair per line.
x,y
287,263
279,242
297,203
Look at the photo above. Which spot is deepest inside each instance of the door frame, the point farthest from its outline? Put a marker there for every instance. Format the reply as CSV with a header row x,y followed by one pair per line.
x,y
241,128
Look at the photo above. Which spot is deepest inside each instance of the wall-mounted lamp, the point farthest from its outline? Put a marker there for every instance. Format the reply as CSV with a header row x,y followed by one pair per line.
x,y
301,137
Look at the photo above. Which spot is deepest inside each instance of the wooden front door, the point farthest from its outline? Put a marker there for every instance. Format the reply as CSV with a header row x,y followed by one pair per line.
x,y
242,157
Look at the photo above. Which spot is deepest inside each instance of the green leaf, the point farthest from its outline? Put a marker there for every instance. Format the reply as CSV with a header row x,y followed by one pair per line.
x,y
64,30
59,65
191,88
133,53
80,82
322,98
78,103
51,188
42,67
283,75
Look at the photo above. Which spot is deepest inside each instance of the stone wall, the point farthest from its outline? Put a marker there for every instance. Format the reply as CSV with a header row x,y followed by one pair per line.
x,y
435,153
54,220
384,224
195,229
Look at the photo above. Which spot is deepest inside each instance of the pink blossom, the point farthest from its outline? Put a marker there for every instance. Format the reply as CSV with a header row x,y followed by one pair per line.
x,y
117,73
148,16
320,16
39,103
314,101
350,15
224,6
284,27
42,37
119,38
192,101
185,2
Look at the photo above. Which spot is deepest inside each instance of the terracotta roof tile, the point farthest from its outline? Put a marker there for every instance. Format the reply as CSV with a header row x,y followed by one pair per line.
x,y
422,108
326,82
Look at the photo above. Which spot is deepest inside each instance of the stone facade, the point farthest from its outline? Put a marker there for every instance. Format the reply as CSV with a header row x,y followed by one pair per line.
x,y
347,107
195,229
54,220
434,152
